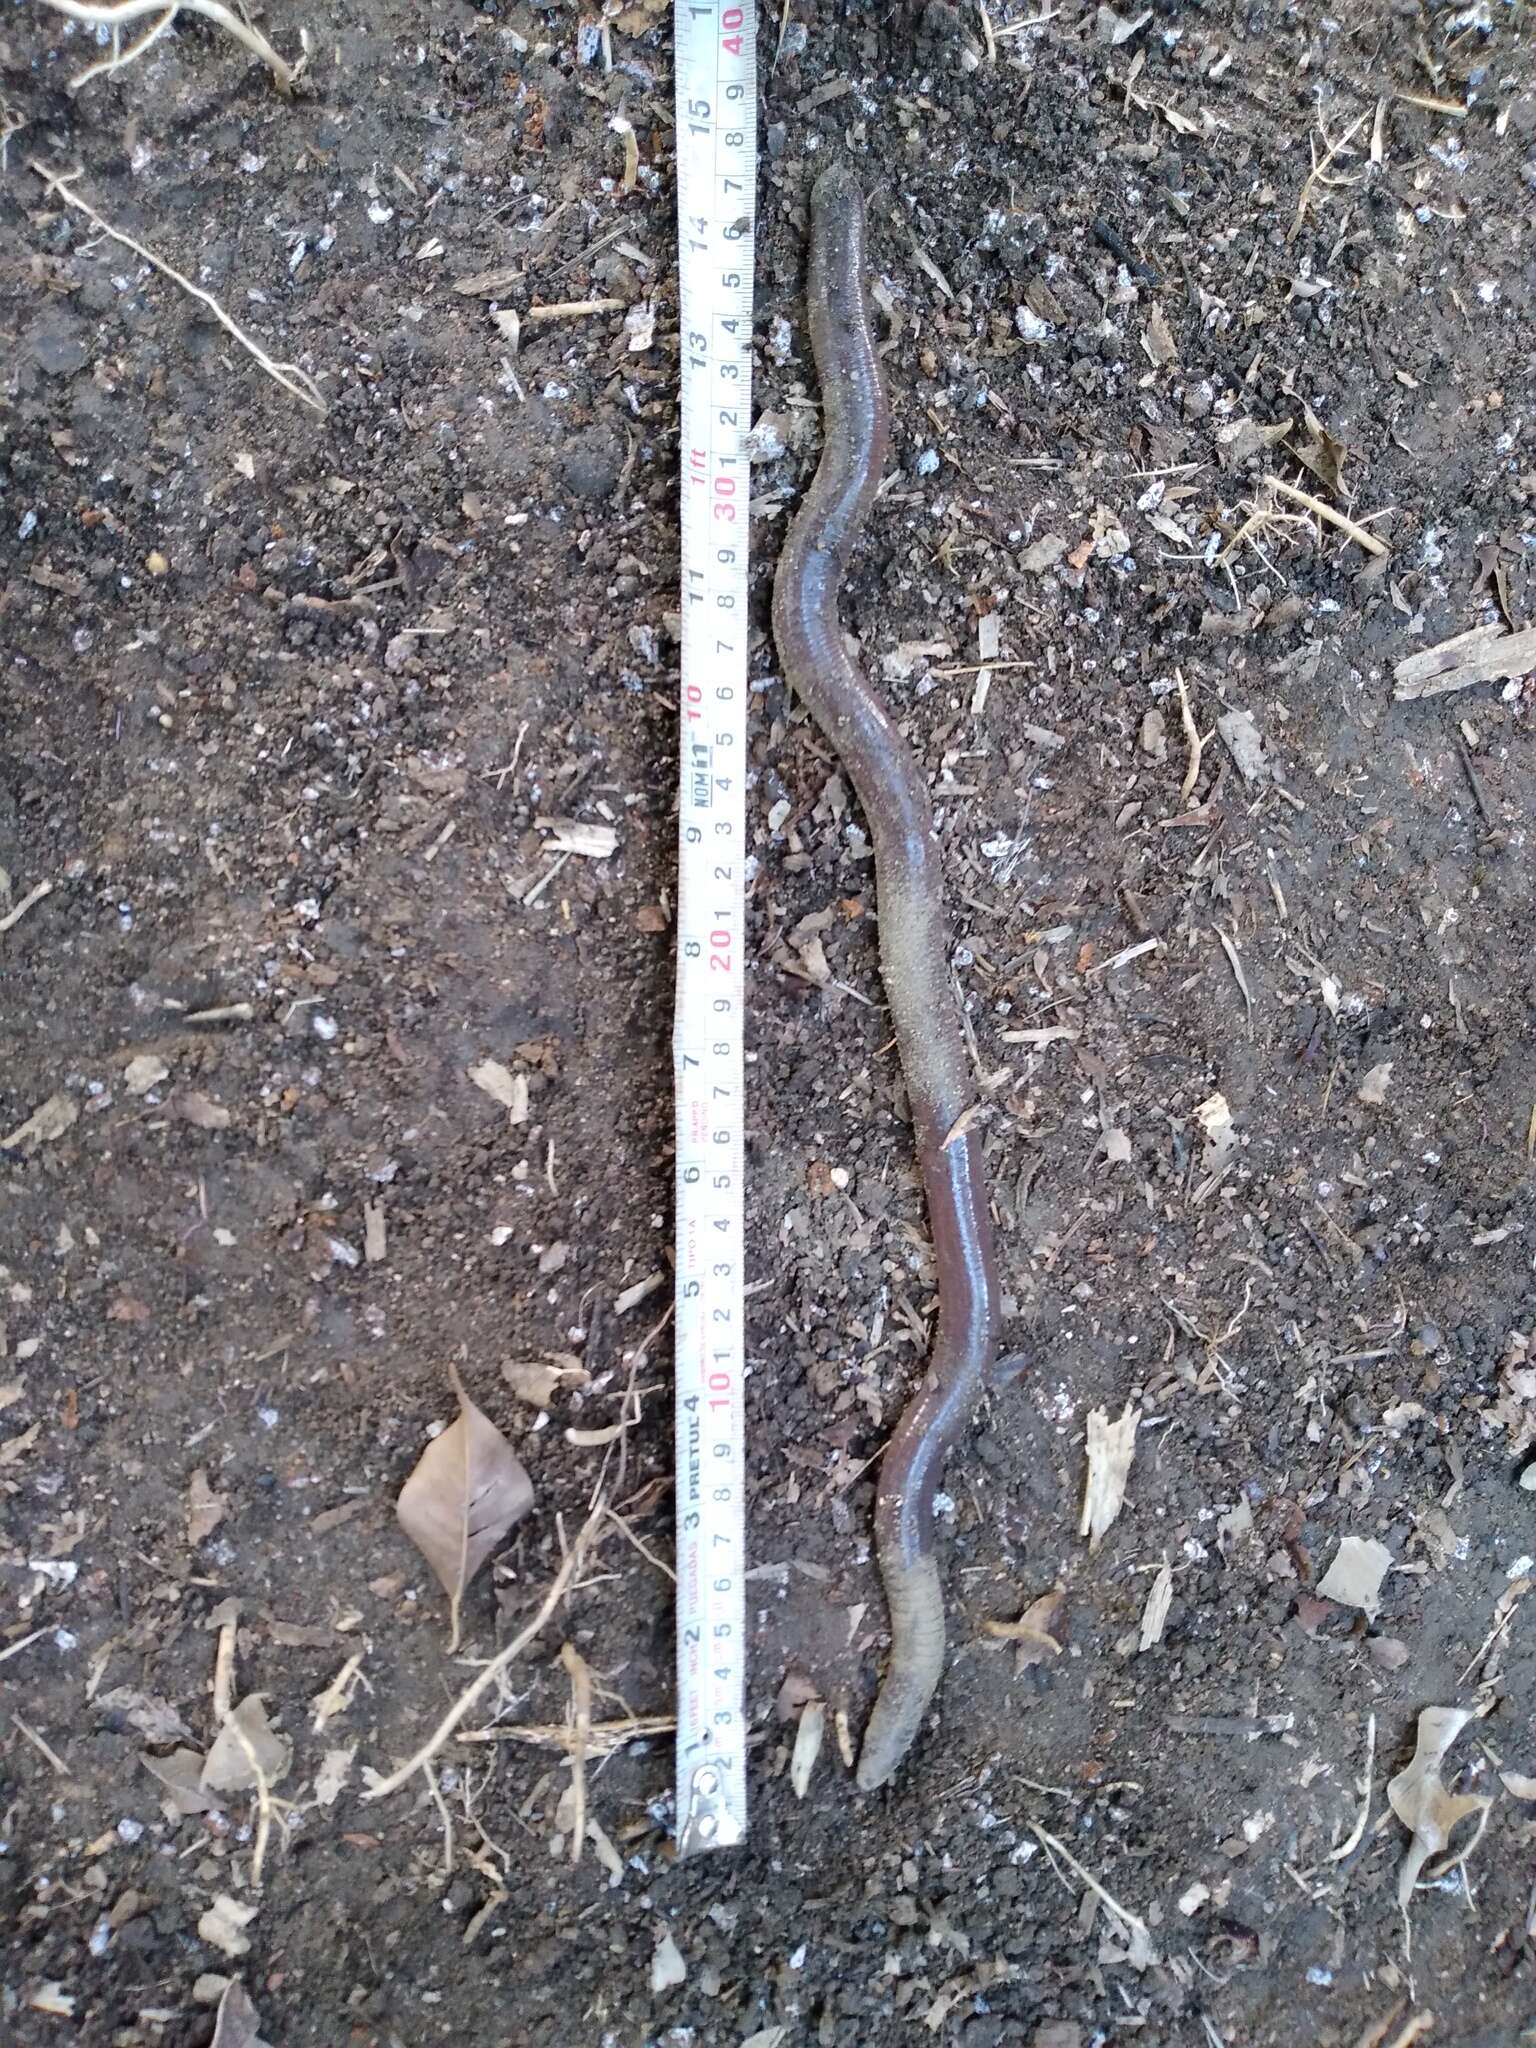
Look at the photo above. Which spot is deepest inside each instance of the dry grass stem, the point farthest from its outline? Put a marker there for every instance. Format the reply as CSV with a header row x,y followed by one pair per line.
x,y
26,1642
449,1724
117,17
572,309
41,1747
580,1674
1053,1845
224,1672
1357,1833
1360,535
648,1554
603,1737
447,1818
1319,174
32,897
119,59
293,380
264,1804
1196,744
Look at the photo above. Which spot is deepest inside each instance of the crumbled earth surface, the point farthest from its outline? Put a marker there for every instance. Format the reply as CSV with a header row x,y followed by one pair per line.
x,y
289,703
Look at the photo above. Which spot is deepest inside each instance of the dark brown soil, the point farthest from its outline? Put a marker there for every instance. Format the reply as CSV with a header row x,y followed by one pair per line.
x,y
284,703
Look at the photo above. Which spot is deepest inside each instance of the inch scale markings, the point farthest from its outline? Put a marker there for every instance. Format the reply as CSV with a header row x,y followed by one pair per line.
x,y
716,59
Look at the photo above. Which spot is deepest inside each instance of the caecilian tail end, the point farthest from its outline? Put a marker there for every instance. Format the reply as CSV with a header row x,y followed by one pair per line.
x,y
916,1601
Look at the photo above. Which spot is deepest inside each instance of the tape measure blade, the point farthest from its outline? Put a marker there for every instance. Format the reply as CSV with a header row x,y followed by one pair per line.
x,y
716,177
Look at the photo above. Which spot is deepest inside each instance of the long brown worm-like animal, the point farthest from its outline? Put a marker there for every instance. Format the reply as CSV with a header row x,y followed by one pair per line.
x,y
914,959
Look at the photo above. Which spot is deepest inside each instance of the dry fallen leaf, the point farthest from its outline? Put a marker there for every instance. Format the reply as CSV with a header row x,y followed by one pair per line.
x,y
1373,1085
181,1776
1245,743
237,2025
199,1110
156,1719
1354,1578
503,1086
1159,342
1042,554
224,1925
1032,1631
15,1448
667,1965
144,1072
466,1492
247,1751
1321,452
51,1120
1111,1448
1117,1148
1214,1117
205,1508
536,1384
1421,1802
333,1774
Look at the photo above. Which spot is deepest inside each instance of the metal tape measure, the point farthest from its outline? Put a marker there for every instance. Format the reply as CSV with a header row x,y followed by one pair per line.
x,y
716,59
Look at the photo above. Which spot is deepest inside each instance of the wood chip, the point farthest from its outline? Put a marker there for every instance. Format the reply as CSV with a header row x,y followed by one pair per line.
x,y
375,1232
641,1291
503,1086
808,1741
1111,1450
1486,654
575,835
1154,1616
205,1509
489,284
224,1925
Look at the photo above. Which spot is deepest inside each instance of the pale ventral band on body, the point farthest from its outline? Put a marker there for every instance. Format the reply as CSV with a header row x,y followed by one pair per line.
x,y
914,959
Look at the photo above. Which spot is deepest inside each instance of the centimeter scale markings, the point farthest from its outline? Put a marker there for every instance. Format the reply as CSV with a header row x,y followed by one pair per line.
x,y
716,185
